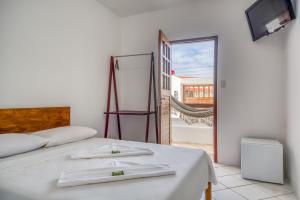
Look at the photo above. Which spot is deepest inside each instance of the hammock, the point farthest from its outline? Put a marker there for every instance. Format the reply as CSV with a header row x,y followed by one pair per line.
x,y
189,111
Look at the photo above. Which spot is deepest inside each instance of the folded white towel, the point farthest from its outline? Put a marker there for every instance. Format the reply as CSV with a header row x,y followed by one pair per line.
x,y
109,151
119,172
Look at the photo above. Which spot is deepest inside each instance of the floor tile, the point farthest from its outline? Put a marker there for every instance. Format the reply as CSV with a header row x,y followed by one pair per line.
x,y
288,197
252,192
216,165
227,195
274,189
220,172
226,170
233,181
218,187
254,181
232,187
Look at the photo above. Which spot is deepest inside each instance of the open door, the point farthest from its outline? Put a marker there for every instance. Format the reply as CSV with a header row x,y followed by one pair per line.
x,y
164,82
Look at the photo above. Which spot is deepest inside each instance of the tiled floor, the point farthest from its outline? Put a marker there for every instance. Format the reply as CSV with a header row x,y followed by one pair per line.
x,y
232,187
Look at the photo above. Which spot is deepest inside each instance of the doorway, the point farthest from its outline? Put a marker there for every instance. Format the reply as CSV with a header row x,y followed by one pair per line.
x,y
193,83
187,85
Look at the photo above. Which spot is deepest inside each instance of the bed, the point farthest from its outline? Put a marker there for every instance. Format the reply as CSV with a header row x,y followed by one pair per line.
x,y
34,175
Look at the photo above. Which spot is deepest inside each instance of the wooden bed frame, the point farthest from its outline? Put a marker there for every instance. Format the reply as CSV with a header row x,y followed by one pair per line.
x,y
208,192
27,120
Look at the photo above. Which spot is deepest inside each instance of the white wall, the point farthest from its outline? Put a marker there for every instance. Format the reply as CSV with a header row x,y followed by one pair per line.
x,y
56,53
252,104
176,86
293,99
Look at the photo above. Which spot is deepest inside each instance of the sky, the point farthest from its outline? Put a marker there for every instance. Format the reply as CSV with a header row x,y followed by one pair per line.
x,y
193,59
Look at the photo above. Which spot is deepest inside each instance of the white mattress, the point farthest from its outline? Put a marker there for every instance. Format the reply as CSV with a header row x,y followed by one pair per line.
x,y
34,175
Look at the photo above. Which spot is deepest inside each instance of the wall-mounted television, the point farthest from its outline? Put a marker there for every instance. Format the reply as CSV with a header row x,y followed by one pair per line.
x,y
268,16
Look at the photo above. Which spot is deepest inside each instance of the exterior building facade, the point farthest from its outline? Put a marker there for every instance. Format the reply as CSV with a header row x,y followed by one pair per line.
x,y
193,91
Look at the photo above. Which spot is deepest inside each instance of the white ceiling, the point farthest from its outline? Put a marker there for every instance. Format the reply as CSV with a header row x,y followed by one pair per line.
x,y
124,8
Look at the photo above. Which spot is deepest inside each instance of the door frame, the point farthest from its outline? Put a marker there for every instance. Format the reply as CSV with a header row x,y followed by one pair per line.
x,y
215,38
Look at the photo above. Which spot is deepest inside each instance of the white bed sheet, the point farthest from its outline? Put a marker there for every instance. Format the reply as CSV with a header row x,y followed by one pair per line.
x,y
34,175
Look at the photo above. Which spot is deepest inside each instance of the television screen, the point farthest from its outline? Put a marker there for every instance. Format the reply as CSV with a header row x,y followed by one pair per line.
x,y
267,16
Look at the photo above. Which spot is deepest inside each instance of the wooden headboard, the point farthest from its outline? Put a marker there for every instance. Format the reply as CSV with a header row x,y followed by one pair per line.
x,y
26,120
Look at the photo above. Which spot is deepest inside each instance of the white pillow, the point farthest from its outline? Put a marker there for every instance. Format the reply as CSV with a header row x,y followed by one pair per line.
x,y
67,134
15,143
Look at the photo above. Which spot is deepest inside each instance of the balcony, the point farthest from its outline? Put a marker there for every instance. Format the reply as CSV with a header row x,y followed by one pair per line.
x,y
197,135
